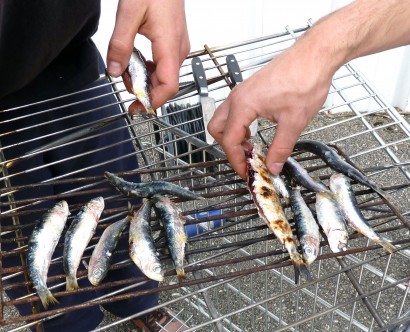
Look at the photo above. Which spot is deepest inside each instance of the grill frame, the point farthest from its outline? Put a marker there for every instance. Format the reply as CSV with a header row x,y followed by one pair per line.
x,y
214,279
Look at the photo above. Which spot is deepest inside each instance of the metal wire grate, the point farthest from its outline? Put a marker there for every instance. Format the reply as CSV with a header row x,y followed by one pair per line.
x,y
239,277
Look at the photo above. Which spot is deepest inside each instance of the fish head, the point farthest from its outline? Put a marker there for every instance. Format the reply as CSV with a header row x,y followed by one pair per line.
x,y
96,275
337,181
154,271
62,208
338,240
310,249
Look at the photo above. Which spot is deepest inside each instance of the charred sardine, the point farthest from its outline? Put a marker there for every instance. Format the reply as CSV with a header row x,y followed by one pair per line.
x,y
331,221
100,260
343,192
141,244
306,226
150,189
270,210
173,222
77,238
137,82
41,246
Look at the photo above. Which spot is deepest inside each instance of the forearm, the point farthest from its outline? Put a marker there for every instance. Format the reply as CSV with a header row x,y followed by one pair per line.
x,y
364,27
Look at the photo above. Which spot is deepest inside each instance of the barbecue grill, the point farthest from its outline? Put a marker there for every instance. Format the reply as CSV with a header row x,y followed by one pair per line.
x,y
239,277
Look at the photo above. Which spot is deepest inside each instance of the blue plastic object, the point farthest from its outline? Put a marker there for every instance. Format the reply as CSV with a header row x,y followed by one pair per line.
x,y
196,229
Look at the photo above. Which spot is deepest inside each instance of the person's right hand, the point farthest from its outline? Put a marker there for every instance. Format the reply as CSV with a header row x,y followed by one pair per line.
x,y
164,24
289,91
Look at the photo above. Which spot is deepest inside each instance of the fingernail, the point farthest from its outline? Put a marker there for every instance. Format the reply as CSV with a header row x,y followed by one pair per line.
x,y
114,69
276,168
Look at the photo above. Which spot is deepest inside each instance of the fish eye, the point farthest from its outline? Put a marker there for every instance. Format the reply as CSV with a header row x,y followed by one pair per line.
x,y
97,273
308,251
156,268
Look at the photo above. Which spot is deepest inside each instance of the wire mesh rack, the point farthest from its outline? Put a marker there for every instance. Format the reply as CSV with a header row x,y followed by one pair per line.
x,y
239,277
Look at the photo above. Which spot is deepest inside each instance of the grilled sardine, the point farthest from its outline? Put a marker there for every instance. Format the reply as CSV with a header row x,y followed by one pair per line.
x,y
100,260
77,238
136,80
268,204
343,192
331,221
41,246
141,244
149,189
173,222
306,226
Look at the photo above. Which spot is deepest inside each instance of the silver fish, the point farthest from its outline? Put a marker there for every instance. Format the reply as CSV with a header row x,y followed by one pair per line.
x,y
307,228
78,236
100,260
332,159
281,188
41,246
302,177
141,244
343,192
331,221
149,189
269,208
136,80
173,222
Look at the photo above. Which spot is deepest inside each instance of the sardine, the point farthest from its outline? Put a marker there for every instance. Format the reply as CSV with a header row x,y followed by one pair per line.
x,y
41,246
281,188
141,244
137,82
100,260
343,192
269,208
173,222
332,222
332,159
78,236
307,228
149,189
302,177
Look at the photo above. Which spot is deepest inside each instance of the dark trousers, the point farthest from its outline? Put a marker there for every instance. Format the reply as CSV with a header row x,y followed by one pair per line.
x,y
60,162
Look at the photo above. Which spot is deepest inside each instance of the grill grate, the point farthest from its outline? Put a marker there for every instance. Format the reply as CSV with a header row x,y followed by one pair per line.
x,y
239,278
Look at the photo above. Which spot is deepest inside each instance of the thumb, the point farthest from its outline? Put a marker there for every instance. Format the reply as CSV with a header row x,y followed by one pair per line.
x,y
281,147
121,43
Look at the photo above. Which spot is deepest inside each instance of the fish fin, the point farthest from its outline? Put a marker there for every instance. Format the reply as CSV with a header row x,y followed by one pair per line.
x,y
301,267
387,245
71,284
47,298
180,274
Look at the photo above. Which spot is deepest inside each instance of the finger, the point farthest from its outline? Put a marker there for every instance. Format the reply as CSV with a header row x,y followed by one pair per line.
x,y
120,47
234,139
217,123
165,77
282,146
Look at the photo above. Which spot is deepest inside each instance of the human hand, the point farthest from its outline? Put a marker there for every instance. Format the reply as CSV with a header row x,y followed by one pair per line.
x,y
164,24
289,90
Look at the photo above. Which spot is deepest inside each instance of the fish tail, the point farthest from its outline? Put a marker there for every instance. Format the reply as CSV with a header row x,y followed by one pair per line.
x,y
71,283
46,297
386,245
180,274
299,267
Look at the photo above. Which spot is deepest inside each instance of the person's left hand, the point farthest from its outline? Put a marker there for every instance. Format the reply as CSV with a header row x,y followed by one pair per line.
x,y
164,24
